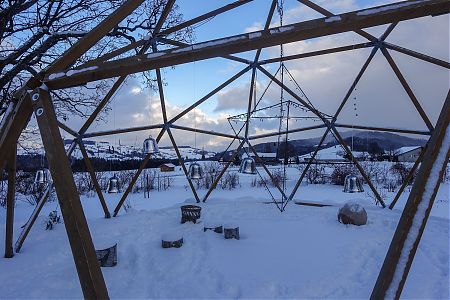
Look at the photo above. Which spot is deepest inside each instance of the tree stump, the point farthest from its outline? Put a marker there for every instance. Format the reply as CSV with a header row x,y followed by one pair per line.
x,y
217,228
231,231
190,213
172,241
107,257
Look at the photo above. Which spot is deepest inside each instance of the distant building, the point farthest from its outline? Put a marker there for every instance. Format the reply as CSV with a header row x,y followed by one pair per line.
x,y
407,154
167,167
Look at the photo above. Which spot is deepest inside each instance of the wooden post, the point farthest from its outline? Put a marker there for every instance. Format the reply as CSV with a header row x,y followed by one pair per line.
x,y
91,171
355,161
10,201
37,209
88,268
181,161
405,242
407,179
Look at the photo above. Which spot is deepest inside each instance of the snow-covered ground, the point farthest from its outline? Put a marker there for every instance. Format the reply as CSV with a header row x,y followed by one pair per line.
x,y
301,253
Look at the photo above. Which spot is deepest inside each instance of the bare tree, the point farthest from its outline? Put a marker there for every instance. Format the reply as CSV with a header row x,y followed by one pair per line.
x,y
33,33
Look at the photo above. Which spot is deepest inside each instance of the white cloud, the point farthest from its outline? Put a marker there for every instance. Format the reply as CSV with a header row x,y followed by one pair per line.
x,y
325,79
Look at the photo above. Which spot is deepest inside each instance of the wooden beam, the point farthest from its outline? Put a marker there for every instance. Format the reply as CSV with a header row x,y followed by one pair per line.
x,y
120,130
204,17
317,53
216,181
210,94
10,201
407,236
249,102
418,55
130,186
355,82
91,171
181,44
37,209
358,166
373,128
88,268
259,39
181,161
67,129
208,132
118,83
258,159
408,178
305,170
407,89
166,32
92,37
14,121
163,17
327,13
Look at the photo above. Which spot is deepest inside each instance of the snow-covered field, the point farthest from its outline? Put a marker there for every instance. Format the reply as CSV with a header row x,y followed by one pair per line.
x,y
300,253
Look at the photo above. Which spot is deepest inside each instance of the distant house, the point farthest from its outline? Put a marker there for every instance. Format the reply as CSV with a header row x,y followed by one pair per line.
x,y
167,167
407,154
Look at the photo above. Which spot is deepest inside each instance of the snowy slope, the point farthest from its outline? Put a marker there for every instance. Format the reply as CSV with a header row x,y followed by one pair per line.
x,y
332,153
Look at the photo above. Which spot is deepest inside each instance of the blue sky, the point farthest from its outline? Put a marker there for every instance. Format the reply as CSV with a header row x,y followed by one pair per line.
x,y
324,79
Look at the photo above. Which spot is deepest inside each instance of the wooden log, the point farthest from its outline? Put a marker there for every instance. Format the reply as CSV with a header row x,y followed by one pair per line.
x,y
231,231
172,240
217,228
107,257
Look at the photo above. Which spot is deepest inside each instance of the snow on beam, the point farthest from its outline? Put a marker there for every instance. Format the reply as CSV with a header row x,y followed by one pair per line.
x,y
411,226
259,39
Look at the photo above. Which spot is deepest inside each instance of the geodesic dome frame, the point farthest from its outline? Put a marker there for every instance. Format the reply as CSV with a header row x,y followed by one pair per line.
x,y
35,97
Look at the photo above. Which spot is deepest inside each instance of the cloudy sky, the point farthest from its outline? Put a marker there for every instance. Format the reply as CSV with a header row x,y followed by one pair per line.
x,y
378,100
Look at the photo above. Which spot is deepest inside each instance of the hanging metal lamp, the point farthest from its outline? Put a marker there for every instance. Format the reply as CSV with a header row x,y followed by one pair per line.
x,y
248,166
113,185
42,177
352,184
150,146
195,171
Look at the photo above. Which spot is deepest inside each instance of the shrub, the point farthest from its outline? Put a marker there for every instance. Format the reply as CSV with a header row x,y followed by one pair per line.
x,y
340,171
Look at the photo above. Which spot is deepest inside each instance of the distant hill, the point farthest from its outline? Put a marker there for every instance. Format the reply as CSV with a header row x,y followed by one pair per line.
x,y
362,141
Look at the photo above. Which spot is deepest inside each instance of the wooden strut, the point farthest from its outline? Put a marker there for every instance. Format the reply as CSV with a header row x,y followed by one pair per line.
x,y
236,152
181,161
91,171
338,111
407,236
408,178
360,169
266,170
88,268
37,209
407,89
158,26
305,170
10,201
227,165
351,21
